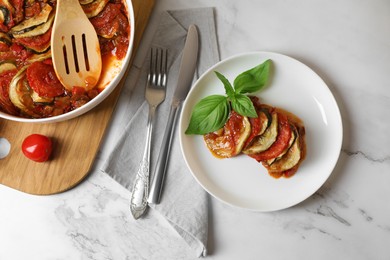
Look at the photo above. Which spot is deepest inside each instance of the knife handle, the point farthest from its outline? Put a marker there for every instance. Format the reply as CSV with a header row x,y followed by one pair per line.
x,y
162,161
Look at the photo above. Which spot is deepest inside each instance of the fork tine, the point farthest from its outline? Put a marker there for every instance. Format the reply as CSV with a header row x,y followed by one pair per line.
x,y
164,68
158,66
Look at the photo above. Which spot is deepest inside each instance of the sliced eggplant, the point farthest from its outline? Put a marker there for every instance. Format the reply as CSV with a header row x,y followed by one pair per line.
x,y
38,30
94,8
6,66
289,160
33,22
264,141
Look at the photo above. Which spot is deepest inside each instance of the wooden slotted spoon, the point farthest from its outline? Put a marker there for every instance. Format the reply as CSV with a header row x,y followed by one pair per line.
x,y
75,47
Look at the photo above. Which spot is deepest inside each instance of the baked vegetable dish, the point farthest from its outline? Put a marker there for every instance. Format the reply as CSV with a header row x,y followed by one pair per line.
x,y
238,123
29,86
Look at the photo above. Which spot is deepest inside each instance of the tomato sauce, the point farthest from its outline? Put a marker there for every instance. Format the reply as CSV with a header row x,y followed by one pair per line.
x,y
5,103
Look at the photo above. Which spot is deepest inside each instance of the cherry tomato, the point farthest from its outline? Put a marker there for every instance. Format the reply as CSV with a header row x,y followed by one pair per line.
x,y
37,147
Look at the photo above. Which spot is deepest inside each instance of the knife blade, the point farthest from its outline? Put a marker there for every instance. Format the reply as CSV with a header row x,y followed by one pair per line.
x,y
184,82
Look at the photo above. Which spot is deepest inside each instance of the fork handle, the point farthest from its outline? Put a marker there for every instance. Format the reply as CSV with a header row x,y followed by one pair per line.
x,y
162,161
138,202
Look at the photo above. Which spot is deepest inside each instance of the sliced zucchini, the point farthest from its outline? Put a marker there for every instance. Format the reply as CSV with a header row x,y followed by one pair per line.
x,y
5,17
85,2
289,160
264,141
30,24
39,57
6,66
5,38
38,30
244,134
94,8
265,119
294,134
37,49
6,4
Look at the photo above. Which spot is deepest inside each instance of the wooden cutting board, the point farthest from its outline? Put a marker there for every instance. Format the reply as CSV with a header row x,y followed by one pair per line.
x,y
76,141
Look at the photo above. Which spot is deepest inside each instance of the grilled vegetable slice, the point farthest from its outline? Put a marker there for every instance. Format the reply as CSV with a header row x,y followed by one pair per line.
x,y
36,44
258,125
281,142
263,142
229,140
6,66
288,160
37,30
30,24
5,16
19,93
5,38
84,2
288,165
294,135
94,8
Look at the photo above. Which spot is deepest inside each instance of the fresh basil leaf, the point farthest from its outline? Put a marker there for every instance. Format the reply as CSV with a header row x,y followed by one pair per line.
x,y
228,87
209,115
253,79
243,105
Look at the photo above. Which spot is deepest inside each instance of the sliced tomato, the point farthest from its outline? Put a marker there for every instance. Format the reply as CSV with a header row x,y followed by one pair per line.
x,y
281,143
43,80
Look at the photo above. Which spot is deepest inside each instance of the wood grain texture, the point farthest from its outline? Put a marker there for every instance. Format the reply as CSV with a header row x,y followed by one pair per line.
x,y
76,141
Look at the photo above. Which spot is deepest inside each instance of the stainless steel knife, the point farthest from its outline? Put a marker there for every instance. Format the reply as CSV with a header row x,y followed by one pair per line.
x,y
184,82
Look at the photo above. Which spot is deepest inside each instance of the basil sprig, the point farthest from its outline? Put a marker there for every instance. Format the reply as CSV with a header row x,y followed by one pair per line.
x,y
212,112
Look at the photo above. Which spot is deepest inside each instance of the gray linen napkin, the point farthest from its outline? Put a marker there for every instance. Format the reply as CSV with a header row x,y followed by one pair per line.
x,y
184,204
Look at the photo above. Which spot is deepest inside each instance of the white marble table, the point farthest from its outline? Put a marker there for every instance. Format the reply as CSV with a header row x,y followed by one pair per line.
x,y
348,44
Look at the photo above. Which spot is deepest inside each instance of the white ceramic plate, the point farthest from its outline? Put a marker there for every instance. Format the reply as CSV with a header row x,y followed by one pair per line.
x,y
243,182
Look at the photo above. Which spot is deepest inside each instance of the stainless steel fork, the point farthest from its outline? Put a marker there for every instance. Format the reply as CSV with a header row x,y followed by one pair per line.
x,y
154,94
